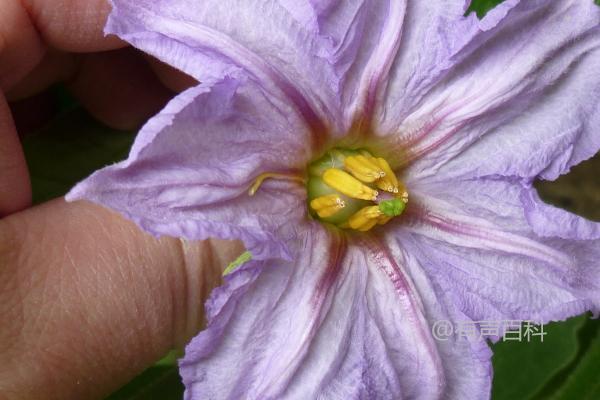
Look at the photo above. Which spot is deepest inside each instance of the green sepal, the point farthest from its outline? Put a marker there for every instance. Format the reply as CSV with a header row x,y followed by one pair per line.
x,y
242,259
392,208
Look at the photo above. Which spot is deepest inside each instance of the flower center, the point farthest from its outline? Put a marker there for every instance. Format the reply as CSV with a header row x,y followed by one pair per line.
x,y
343,190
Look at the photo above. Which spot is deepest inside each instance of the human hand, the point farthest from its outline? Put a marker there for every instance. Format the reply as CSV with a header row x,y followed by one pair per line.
x,y
87,301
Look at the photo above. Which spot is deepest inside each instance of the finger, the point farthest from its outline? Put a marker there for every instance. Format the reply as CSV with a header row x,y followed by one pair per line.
x,y
72,25
20,47
170,77
87,301
119,88
28,26
60,66
15,188
55,67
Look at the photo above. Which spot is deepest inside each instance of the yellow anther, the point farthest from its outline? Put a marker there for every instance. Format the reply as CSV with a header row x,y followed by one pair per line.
x,y
404,196
272,175
389,182
365,218
384,219
327,205
365,168
348,185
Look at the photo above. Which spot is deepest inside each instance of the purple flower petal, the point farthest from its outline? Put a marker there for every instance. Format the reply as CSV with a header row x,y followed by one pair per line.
x,y
331,58
190,168
479,245
549,221
525,91
436,37
359,39
206,40
338,322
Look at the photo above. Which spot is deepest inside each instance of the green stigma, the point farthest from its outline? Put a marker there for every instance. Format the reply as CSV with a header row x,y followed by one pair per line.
x,y
392,208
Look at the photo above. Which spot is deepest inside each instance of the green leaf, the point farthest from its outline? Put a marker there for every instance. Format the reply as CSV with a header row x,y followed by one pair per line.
x,y
522,369
481,7
579,379
584,382
69,149
158,382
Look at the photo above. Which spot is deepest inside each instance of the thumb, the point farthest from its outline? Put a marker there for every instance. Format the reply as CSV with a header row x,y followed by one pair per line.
x,y
87,300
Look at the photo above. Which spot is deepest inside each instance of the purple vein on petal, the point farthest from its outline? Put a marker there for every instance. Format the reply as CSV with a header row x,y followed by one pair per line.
x,y
431,131
461,111
264,72
380,256
335,259
480,235
378,67
337,253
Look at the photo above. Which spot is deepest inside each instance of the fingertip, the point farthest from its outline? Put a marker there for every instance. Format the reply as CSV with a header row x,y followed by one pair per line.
x,y
170,77
118,88
54,67
73,25
20,47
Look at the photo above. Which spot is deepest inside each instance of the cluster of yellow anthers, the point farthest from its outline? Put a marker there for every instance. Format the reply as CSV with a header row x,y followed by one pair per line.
x,y
342,190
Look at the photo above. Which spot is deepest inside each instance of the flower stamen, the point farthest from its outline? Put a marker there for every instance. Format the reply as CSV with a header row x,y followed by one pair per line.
x,y
273,175
364,168
348,185
365,219
388,182
342,190
327,205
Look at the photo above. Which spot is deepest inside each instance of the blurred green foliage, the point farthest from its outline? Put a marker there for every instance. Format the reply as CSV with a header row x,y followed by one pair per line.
x,y
72,147
522,369
161,382
583,381
564,366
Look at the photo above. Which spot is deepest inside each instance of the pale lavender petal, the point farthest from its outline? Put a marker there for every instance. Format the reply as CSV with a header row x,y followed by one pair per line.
x,y
330,57
259,37
525,91
465,361
359,39
549,221
342,321
436,36
142,29
477,243
191,166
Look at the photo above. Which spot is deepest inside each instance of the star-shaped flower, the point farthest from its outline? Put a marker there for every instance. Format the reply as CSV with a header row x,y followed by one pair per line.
x,y
390,149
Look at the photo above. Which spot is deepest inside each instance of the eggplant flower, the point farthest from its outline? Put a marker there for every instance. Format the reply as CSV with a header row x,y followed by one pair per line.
x,y
377,159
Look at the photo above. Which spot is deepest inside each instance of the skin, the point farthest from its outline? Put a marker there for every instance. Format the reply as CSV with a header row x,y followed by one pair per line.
x,y
87,300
